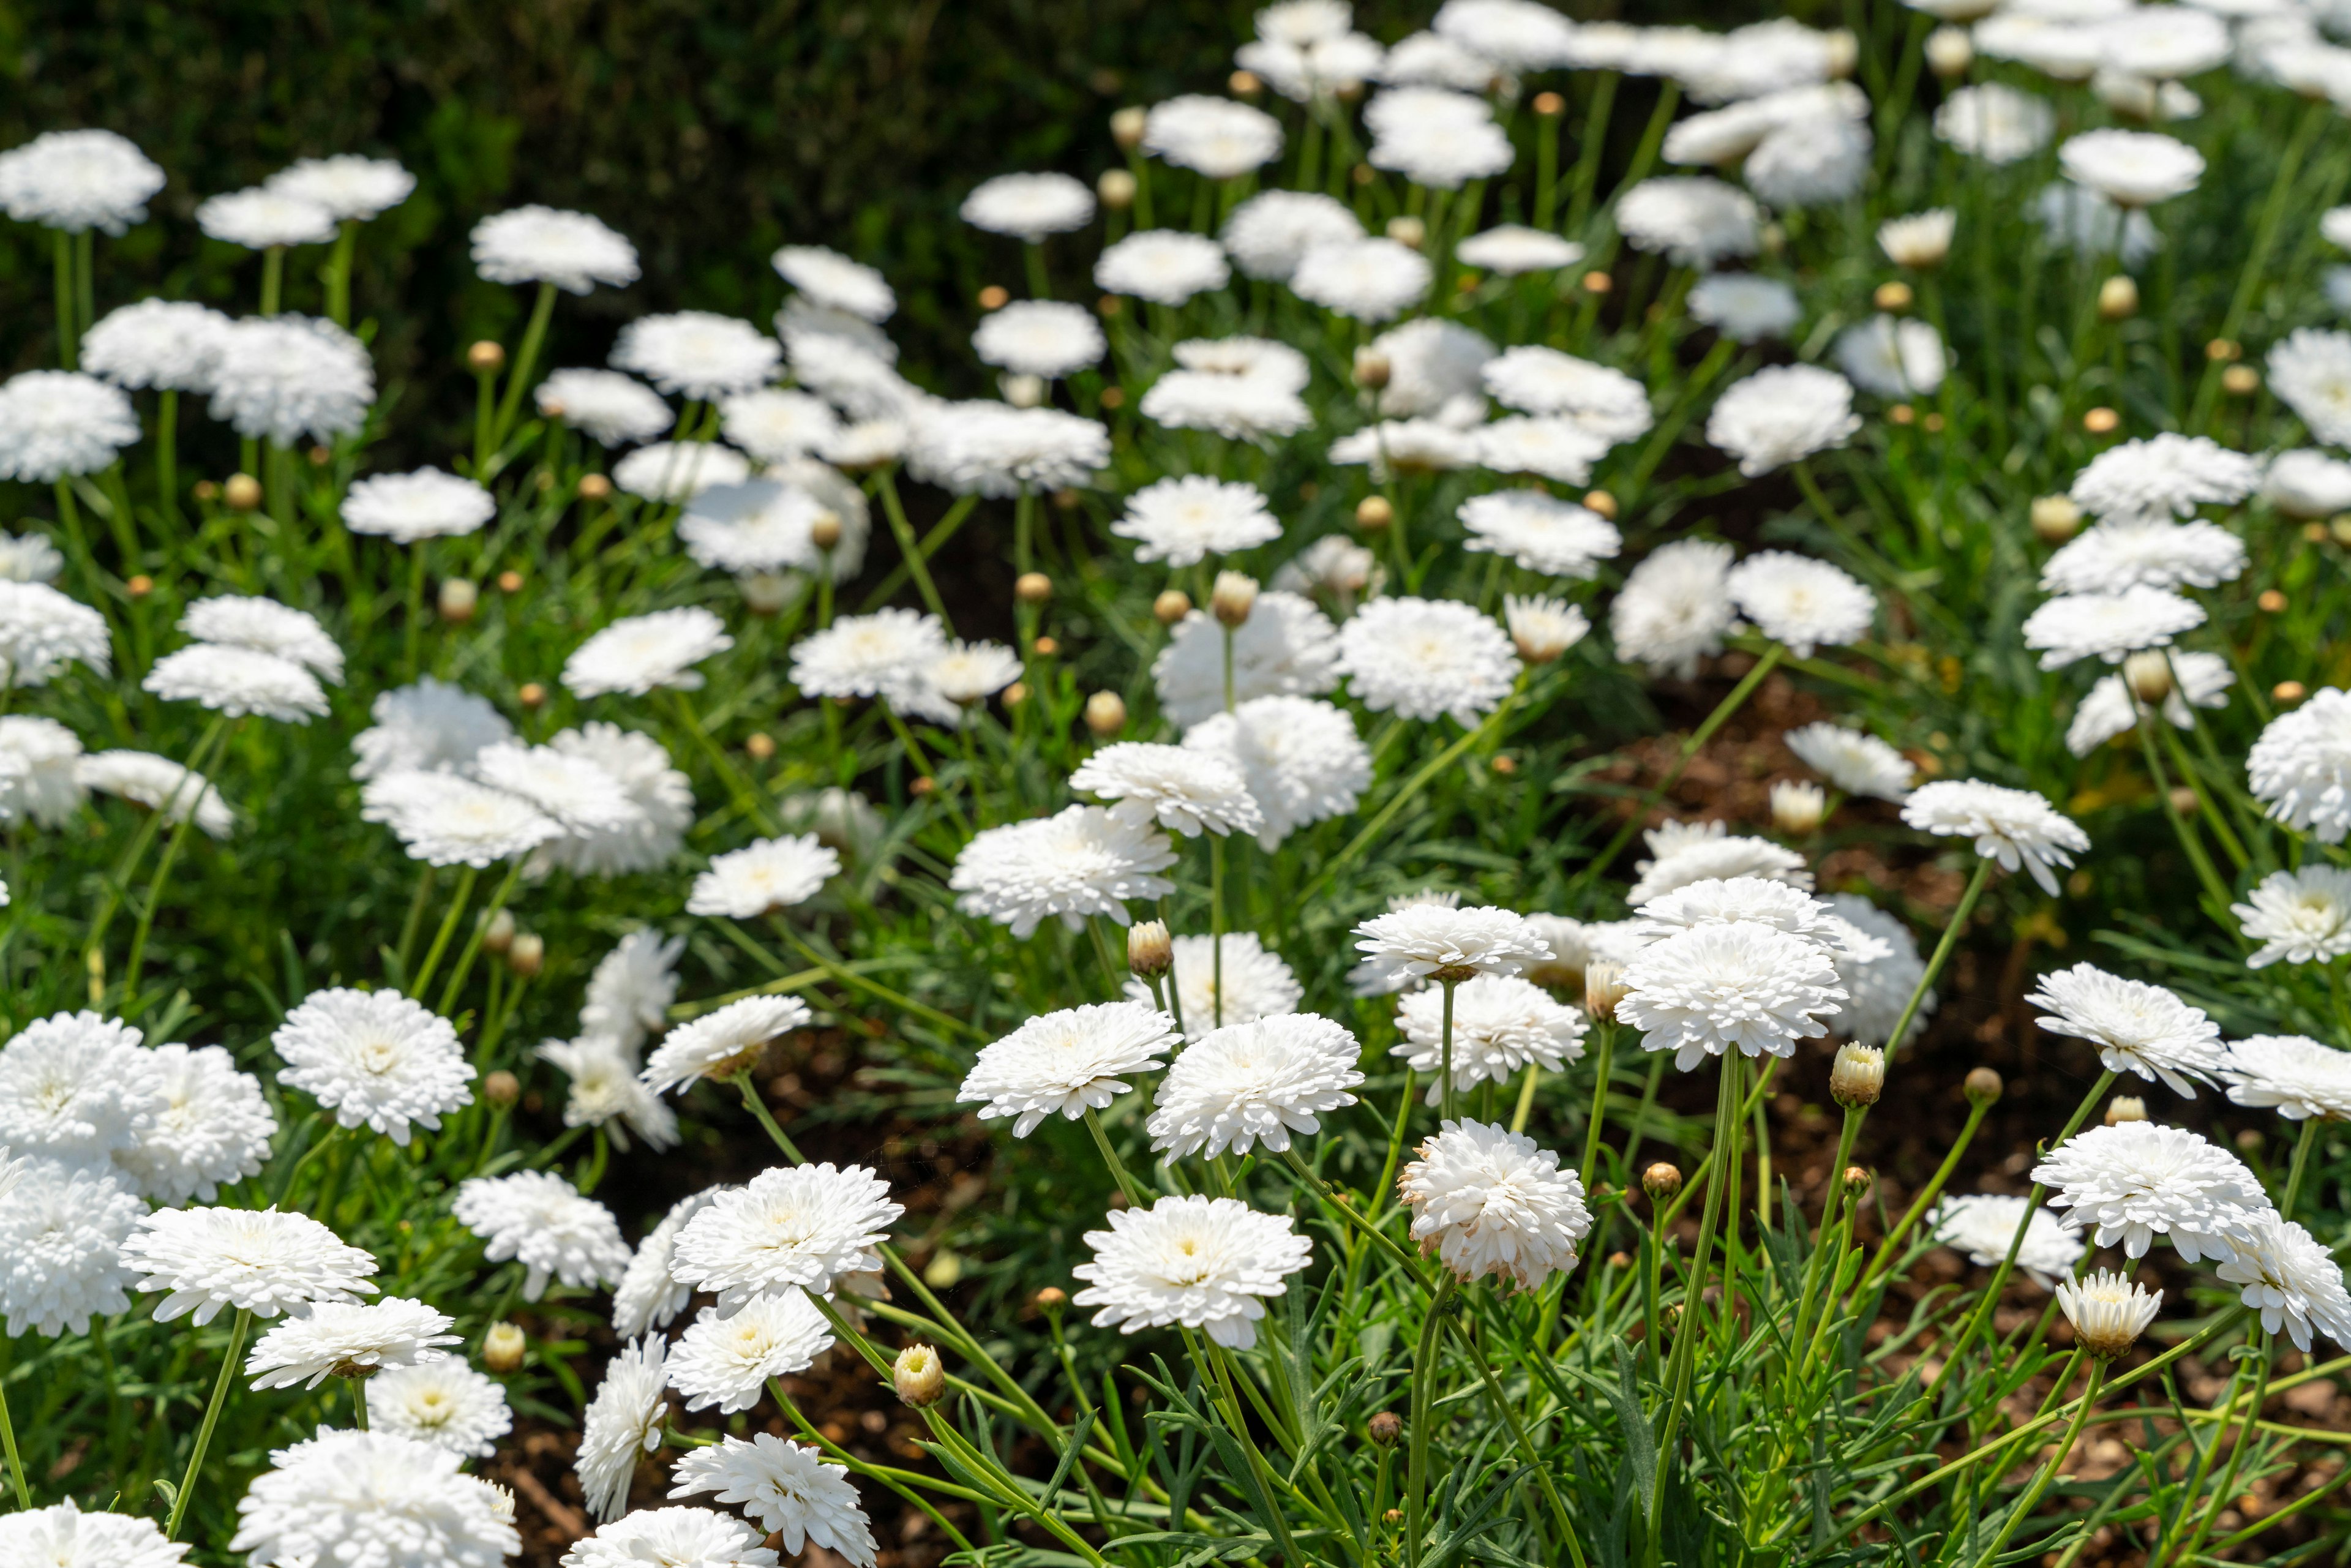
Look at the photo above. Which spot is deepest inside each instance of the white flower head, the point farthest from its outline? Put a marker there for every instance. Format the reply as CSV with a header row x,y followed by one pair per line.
x,y
1080,863
2301,917
1675,607
376,1059
579,794
624,1423
1501,1025
724,1042
802,1226
2301,766
776,424
641,652
649,1296
1683,856
1039,338
606,1092
77,1088
213,1129
1302,760
787,1487
572,251
1287,647
1713,988
2291,1278
1365,279
349,1340
42,631
261,218
2131,168
2108,1310
1694,221
444,819
159,784
1028,206
697,354
280,378
677,471
1423,658
774,874
1424,940
2015,827
1513,249
430,726
1879,966
1982,1225
237,682
1186,789
64,1537
1166,266
659,801
1892,357
1540,381
1853,762
2143,556
2164,475
1800,602
544,1223
1744,307
1254,983
426,503
444,1403
882,655
78,181
1182,520
349,186
2290,1072
29,558
2137,1027
1540,532
1995,123
1271,232
1066,1063
1206,1263
267,627
257,1260
994,449
612,409
372,1500
62,1229
39,764
1255,1083
1720,901
830,279
2310,372
726,1362
2307,484
1486,1200
2137,1180
629,993
1918,239
1435,367
1782,416
59,423
681,1536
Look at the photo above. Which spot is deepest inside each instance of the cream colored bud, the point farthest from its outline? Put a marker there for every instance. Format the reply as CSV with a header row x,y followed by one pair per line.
x,y
243,492
595,486
1149,949
1856,1181
2118,297
528,953
1858,1076
1983,1086
2108,1310
2147,672
1798,808
1050,1298
1373,513
919,1376
764,593
1949,52
1840,51
1894,297
2125,1108
1407,230
824,529
1661,1181
501,1088
503,1347
1032,588
457,600
1024,390
1384,1428
1172,606
486,358
1105,714
1116,188
499,932
1373,370
1233,598
1603,987
2056,519
1126,126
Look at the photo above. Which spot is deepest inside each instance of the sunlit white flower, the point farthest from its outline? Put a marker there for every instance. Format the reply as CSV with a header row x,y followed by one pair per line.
x,y
605,1091
1435,367
774,424
2164,475
77,1088
649,1296
622,1423
1287,647
1801,602
2291,1278
160,784
1555,449
1432,445
1712,989
1696,221
675,470
78,181
696,353
1782,416
1486,1200
257,1260
1080,862
1743,307
1892,357
2131,168
1982,1225
2302,916
29,558
1252,1082
544,1223
1424,940
39,759
58,423
579,794
348,186
800,1225
994,449
1068,1063
1720,901
2108,1310
1543,380
1512,250
726,1362
1880,982
262,218
1039,338
161,343
1184,788
1432,60
1681,859
2307,484
833,281
280,378
444,1403
1518,34
349,1340
614,409
444,819
1420,658
2290,1072
64,1537
2015,827
2310,372
533,244
2109,625
1181,520
237,682
62,1230
1853,761
1028,206
680,1536
2116,556
1167,266
1206,1263
1540,532
1219,982
659,802
426,728
723,1042
641,652
213,1129
1995,122
1501,1025
1436,137
265,626
1365,279
2137,1027
372,1500
1675,607
376,1059
1302,760
787,1488
1269,234
2137,1180
426,503
2110,709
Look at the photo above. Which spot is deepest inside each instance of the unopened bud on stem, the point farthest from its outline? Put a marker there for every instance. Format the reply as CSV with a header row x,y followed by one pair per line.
x,y
1603,987
1856,1181
1661,1181
503,1347
1798,808
1384,1428
1150,951
499,932
1983,1086
1857,1077
2125,1108
1233,598
2147,672
1372,369
919,1378
1172,606
1105,714
2056,519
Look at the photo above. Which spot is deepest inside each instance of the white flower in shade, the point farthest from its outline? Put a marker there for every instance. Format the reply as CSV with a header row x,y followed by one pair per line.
x,y
1254,1083
2290,1072
2164,475
372,1500
2303,484
267,627
605,1091
1432,445
2015,827
2302,916
1435,367
1306,69
1334,565
1066,1063
701,1537
1501,1025
159,784
2131,168
1681,859
774,424
697,354
61,1260
830,279
1420,658
1558,449
1711,989
2137,1180
78,1089
444,1403
1486,1200
78,181
869,443
1365,279
544,1223
1696,221
1995,123
2116,556
260,218
2137,1027
1181,520
283,376
882,655
56,423
429,726
1436,137
676,471
1815,160
1536,380
42,631
723,1042
1800,602
1853,762
801,1225
2301,766
994,449
1426,939
629,993
426,503
1675,607
1255,984
1782,416
257,1260
2108,1310
347,185
1039,338
349,1340
444,819
1028,206
1543,629
2079,220
1166,266
29,558
784,1486
38,763
726,1362
580,796
1512,250
1575,944
237,682
2291,1278
1237,407
1184,788
1518,34
2110,710
1892,357
1918,239
213,1130
774,874
641,652
1982,1225
1878,983
1744,308
964,674
573,251
1206,1263
659,804
1212,136
1719,901
612,409
760,526
1540,532
1267,235
161,343
649,1296
376,1059
1080,862
1301,759
65,1536
1431,60
2310,372
623,1423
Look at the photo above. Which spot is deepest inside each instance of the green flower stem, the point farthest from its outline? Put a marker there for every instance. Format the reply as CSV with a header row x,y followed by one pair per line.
x,y
1587,161
1541,1471
1603,1061
1423,1385
214,736
338,272
1943,949
8,1429
457,902
848,976
2295,1173
413,623
2048,1470
1444,1066
1728,1121
525,360
94,944
273,279
897,1480
1801,1337
1926,1196
474,942
941,532
747,796
2214,888
1378,824
1525,1108
1119,1173
221,1385
69,340
910,554
2237,1442
1217,923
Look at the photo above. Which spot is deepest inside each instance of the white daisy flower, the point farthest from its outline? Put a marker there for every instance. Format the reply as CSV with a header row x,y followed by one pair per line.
x,y
540,1220
1301,758
1211,136
659,800
1853,762
542,244
423,504
159,784
723,1042
1080,863
2137,1027
42,631
267,627
1881,979
1540,532
1781,415
622,1423
1028,206
726,1362
671,472
649,1296
2291,1278
1186,789
995,449
2301,766
1537,380
1800,602
1184,519
58,423
280,378
1039,338
62,1230
2301,917
1206,1263
1267,235
446,1404
1255,984
261,218
376,1059
255,1260
444,819
2295,1074
214,1128
640,653
1254,1083
64,1537
830,279
776,424
1421,941
2131,168
1675,607
1166,266
1694,221
430,726
1365,279
1501,1025
773,874
610,408
349,186
78,1089
1066,1063
697,354
883,655
78,181
1982,1225
2164,475
1435,367
1513,250
2137,1180
2304,483
372,1500
1422,658
1892,357
787,1488
349,1340
1743,307
2015,827
1995,122
1486,1200
801,1225
2108,1310
237,682
2310,372
629,993
1681,859
606,1092
1713,988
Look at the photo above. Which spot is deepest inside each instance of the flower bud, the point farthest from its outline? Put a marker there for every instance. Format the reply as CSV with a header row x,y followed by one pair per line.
x,y
140,585
2287,691
1661,1181
1858,1076
503,1347
532,695
502,1088
2101,421
1983,1086
1856,1181
528,953
1550,105
995,296
486,358
1032,588
1949,52
509,581
2108,1312
1233,598
1022,391
243,492
1602,502
2147,672
2056,519
595,486
1116,188
1105,714
1893,298
1373,513
457,600
919,1378
2118,298
1014,694
1245,84
824,529
1384,1428
1372,369
1150,951
1840,52
2125,1108
205,490
764,593
1126,126
1798,808
1603,987
1050,1298
2240,381
1407,230
499,932
759,746
1172,606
